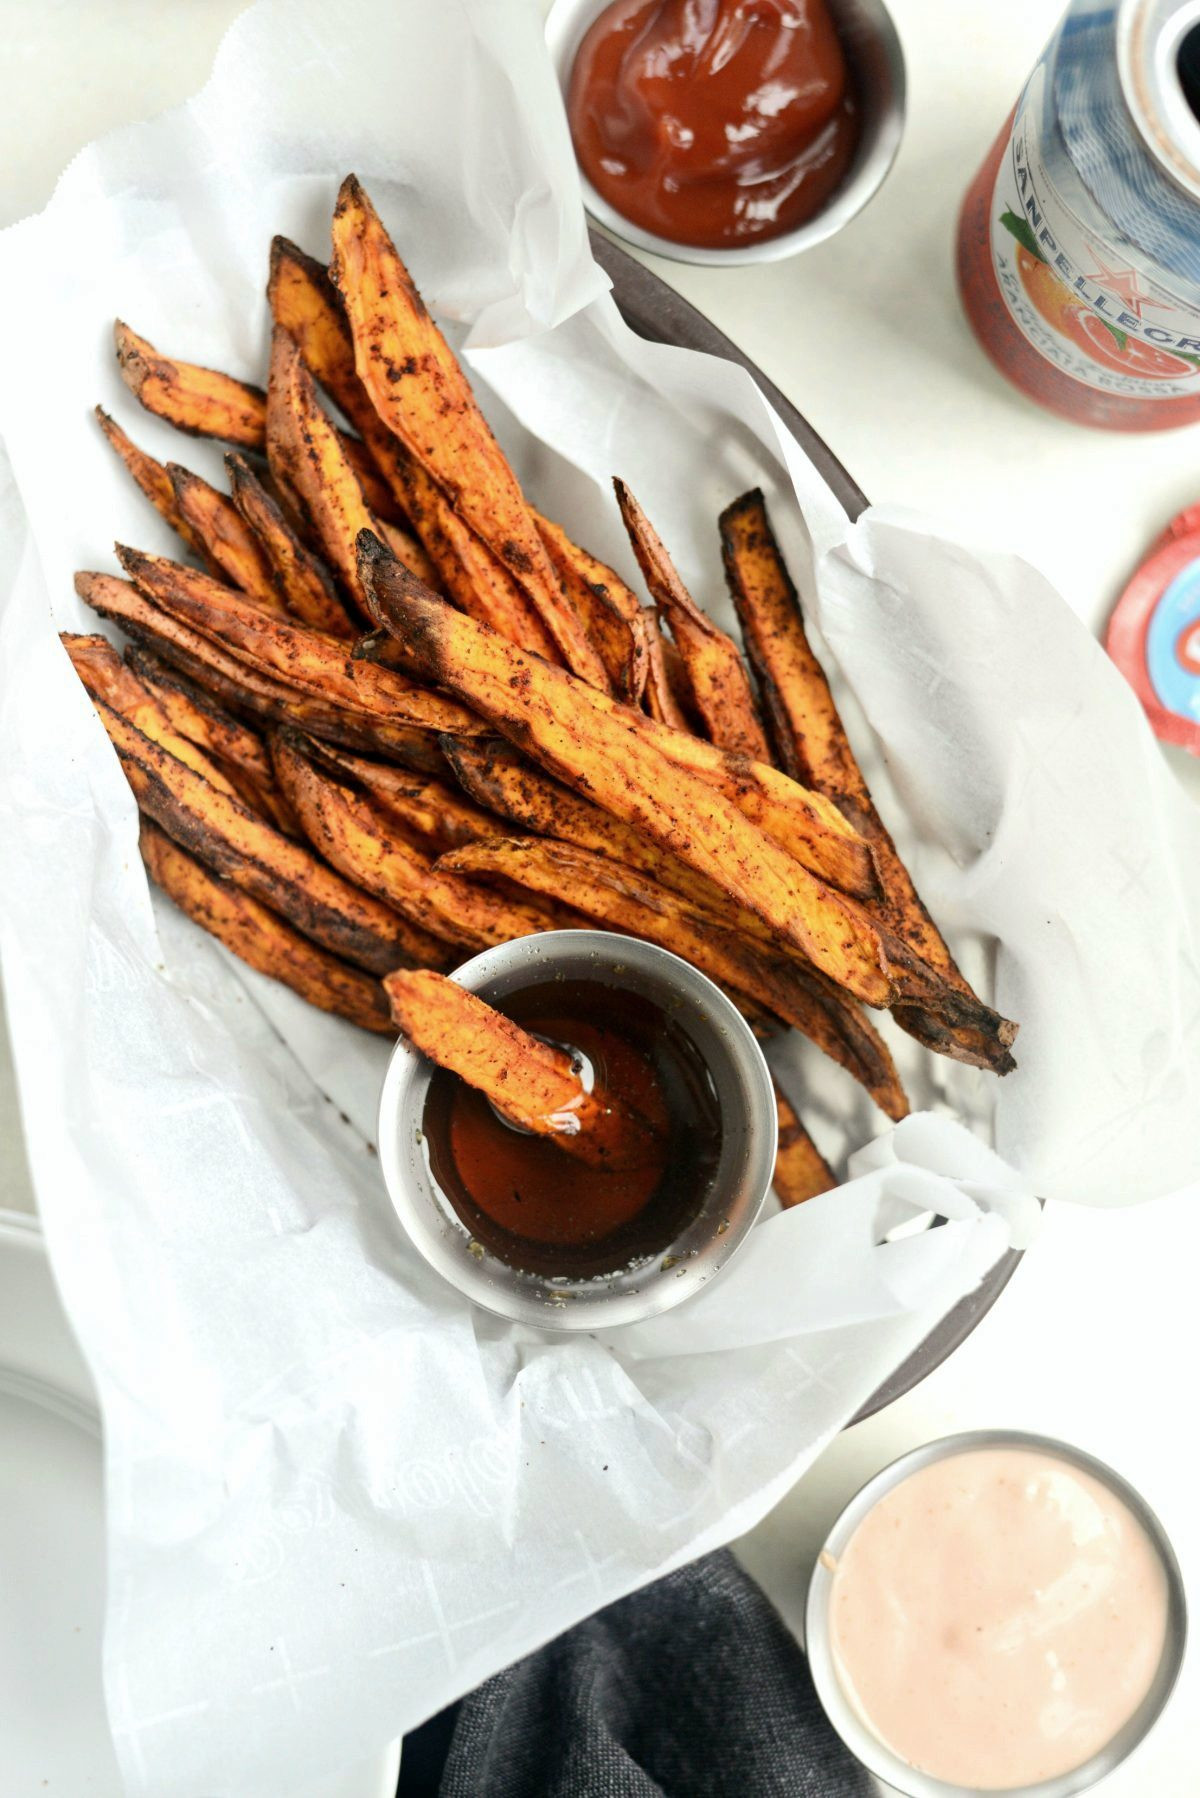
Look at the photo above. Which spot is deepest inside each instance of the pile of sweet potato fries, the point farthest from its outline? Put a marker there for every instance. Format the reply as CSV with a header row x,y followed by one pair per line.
x,y
387,714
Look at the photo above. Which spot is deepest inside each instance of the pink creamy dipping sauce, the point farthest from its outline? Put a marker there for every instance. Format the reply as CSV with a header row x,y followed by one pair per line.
x,y
997,1617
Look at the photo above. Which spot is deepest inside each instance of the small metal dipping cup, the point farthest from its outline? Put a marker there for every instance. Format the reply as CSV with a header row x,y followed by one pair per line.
x,y
735,1191
876,63
862,1741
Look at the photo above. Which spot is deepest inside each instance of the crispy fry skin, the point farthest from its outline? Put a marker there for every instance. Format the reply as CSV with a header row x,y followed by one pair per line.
x,y
106,677
227,540
302,657
812,743
529,1082
305,303
583,736
478,583
304,450
610,612
196,716
808,826
716,676
246,690
359,836
408,549
300,580
801,1172
151,477
658,696
429,808
621,899
235,842
237,751
422,395
260,939
200,401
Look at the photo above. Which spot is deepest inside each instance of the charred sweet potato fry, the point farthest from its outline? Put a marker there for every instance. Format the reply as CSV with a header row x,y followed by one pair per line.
x,y
194,714
812,743
200,401
801,1171
305,303
302,657
236,750
430,809
106,677
716,676
621,899
232,840
610,612
584,737
421,394
532,1084
304,450
358,836
408,549
152,477
229,544
262,940
299,578
244,689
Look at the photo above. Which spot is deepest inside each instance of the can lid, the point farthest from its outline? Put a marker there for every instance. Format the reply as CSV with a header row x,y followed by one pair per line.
x,y
1158,62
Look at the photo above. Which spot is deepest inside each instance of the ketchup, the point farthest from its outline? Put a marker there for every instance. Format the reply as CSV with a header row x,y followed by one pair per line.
x,y
713,122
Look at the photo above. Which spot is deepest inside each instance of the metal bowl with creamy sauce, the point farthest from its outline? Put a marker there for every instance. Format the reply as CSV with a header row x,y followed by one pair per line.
x,y
995,1612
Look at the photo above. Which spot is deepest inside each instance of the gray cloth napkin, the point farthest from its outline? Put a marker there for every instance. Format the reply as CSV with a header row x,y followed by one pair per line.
x,y
691,1688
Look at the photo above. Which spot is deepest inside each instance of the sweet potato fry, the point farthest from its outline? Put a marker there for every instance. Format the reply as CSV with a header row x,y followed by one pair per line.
x,y
302,657
812,744
304,451
200,401
532,1084
801,1171
610,612
359,836
621,899
408,549
716,676
106,677
429,808
299,578
660,696
376,492
478,583
262,940
422,395
151,477
583,736
232,840
238,752
229,544
194,714
244,689
305,303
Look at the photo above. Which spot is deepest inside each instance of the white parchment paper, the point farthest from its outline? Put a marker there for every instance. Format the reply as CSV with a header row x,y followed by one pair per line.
x,y
337,1496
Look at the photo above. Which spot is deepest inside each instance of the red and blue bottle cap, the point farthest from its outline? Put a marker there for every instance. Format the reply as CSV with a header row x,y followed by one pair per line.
x,y
1154,632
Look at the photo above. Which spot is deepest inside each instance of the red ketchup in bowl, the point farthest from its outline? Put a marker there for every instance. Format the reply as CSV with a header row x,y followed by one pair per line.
x,y
713,122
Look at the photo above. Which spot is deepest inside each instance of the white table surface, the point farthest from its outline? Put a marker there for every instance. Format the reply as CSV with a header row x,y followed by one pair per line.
x,y
1096,1338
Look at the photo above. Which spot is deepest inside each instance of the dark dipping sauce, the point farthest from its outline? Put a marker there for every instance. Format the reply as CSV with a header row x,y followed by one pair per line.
x,y
713,122
542,1210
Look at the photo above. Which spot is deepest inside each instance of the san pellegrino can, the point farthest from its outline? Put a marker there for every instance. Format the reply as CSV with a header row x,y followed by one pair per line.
x,y
1079,239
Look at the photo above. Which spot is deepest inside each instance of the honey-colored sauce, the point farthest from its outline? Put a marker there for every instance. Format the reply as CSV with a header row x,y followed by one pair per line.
x,y
537,1208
